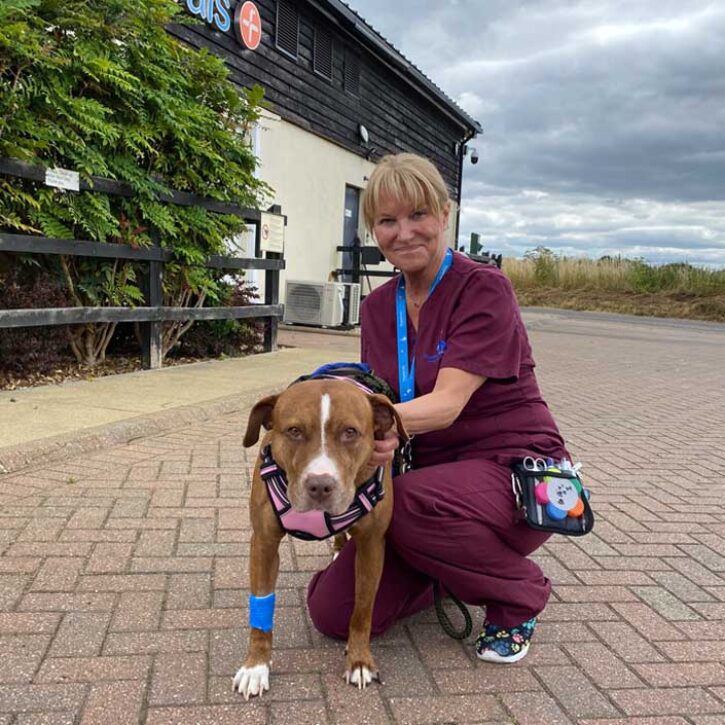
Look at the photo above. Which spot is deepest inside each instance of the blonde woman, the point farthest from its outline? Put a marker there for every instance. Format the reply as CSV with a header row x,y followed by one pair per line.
x,y
447,336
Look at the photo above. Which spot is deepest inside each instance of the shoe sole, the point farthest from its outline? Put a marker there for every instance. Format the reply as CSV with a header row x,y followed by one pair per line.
x,y
488,655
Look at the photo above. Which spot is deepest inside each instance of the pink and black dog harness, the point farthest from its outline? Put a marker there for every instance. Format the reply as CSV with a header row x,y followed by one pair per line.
x,y
317,525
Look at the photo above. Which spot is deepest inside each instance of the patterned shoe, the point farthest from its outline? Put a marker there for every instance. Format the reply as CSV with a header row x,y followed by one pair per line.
x,y
504,646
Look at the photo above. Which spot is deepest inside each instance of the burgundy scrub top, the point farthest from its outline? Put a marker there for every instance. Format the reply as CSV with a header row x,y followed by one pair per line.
x,y
472,322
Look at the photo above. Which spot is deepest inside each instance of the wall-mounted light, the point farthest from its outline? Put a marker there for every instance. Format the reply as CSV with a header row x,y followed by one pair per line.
x,y
363,134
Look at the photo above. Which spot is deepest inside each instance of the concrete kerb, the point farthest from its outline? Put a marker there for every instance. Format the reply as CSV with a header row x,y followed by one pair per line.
x,y
15,458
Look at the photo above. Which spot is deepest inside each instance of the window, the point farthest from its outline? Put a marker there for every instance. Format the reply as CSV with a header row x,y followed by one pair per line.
x,y
288,28
322,54
351,81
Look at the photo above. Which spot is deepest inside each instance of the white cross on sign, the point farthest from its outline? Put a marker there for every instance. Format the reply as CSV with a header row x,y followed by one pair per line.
x,y
249,24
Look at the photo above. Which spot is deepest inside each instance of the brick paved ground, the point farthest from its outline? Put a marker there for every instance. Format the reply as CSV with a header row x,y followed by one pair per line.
x,y
123,575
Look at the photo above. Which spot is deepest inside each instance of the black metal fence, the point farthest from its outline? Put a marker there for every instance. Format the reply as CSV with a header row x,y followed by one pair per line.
x,y
153,314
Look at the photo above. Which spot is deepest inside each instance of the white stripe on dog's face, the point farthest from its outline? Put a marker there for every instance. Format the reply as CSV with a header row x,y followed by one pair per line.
x,y
322,463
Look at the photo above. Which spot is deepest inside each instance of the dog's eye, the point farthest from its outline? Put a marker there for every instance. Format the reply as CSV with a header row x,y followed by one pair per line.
x,y
350,434
294,433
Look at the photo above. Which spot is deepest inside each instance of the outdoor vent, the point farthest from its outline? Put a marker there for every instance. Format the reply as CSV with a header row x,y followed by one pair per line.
x,y
322,55
288,27
322,304
352,73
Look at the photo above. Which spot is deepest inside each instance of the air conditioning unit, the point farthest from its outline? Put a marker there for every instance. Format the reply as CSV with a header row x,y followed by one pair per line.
x,y
323,304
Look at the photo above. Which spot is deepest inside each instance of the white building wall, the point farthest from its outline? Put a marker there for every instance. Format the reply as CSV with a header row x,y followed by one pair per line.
x,y
308,175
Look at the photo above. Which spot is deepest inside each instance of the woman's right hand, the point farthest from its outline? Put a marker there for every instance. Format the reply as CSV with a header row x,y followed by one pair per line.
x,y
385,449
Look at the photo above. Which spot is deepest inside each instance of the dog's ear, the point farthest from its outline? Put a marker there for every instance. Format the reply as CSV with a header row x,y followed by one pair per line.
x,y
261,415
384,416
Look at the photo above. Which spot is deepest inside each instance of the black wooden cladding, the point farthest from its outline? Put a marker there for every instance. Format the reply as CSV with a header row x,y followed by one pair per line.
x,y
372,92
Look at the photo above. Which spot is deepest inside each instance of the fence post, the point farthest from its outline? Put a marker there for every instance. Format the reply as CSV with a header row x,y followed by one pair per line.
x,y
271,291
151,331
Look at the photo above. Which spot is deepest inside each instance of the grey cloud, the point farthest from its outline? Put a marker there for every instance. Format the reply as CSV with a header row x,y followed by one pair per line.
x,y
603,100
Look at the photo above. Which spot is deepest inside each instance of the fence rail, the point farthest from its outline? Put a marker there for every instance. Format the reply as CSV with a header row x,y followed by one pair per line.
x,y
153,314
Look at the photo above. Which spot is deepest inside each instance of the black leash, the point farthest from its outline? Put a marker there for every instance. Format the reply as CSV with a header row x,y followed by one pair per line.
x,y
443,618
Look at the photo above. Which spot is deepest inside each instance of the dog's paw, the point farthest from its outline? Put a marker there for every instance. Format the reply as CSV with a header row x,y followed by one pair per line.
x,y
360,676
251,680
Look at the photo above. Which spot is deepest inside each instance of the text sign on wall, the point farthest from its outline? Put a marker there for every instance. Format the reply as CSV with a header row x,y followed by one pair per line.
x,y
271,234
248,25
218,14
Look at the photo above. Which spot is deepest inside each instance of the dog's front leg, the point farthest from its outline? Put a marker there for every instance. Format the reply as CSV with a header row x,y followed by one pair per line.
x,y
369,556
253,677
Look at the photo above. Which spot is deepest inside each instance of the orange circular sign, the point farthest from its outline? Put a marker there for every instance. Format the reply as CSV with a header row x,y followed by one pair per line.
x,y
248,24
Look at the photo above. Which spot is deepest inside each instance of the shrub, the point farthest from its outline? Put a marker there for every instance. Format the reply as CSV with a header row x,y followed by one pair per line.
x,y
40,349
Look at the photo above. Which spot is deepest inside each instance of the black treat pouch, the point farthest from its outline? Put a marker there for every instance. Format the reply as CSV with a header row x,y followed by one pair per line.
x,y
552,500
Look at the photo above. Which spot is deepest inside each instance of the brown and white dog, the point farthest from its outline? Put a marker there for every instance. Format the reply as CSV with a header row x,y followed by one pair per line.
x,y
321,433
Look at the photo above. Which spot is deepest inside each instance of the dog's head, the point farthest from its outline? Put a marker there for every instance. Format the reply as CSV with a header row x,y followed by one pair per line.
x,y
322,435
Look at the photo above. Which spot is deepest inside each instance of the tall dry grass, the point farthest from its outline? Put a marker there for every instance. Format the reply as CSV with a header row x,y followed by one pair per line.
x,y
542,268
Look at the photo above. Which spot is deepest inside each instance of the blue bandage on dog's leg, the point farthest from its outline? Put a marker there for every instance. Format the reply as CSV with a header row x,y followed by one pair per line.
x,y
261,612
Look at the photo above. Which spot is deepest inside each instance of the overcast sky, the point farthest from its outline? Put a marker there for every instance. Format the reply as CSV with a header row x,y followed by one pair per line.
x,y
604,120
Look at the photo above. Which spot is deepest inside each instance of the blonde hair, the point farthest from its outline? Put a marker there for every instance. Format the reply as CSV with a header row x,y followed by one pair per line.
x,y
408,177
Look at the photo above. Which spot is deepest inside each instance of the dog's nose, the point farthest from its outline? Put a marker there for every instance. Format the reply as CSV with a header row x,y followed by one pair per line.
x,y
320,486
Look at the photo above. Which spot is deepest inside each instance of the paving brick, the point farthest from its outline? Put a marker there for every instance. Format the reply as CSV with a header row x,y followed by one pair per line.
x,y
119,703
574,692
67,602
109,558
121,582
80,634
179,679
625,642
638,721
665,603
171,564
661,701
602,666
87,518
58,574
197,530
647,622
437,649
681,587
27,622
189,591
92,669
138,612
121,643
677,675
446,708
303,713
483,678
534,708
246,713
12,587
33,698
595,594
43,718
181,619
155,544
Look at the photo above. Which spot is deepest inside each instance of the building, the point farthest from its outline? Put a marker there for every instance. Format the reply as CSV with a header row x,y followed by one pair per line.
x,y
340,96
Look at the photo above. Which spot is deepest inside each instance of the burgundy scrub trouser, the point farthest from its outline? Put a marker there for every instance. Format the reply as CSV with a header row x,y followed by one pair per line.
x,y
454,523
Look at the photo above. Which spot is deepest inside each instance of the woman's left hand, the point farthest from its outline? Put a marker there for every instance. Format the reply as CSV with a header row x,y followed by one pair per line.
x,y
385,449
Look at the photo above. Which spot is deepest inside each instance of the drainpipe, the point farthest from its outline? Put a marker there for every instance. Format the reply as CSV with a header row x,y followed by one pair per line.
x,y
461,156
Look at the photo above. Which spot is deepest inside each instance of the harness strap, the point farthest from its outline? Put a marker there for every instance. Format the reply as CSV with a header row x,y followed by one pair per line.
x,y
317,525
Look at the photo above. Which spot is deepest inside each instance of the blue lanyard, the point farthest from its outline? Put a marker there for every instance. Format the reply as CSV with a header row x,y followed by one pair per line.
x,y
406,373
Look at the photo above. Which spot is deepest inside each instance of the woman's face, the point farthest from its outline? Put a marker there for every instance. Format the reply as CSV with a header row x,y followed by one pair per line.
x,y
411,238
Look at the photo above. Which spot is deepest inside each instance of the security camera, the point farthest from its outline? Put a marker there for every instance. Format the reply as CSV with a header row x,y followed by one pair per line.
x,y
474,156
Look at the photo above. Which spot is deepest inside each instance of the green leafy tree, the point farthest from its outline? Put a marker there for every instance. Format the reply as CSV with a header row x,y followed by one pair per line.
x,y
102,88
